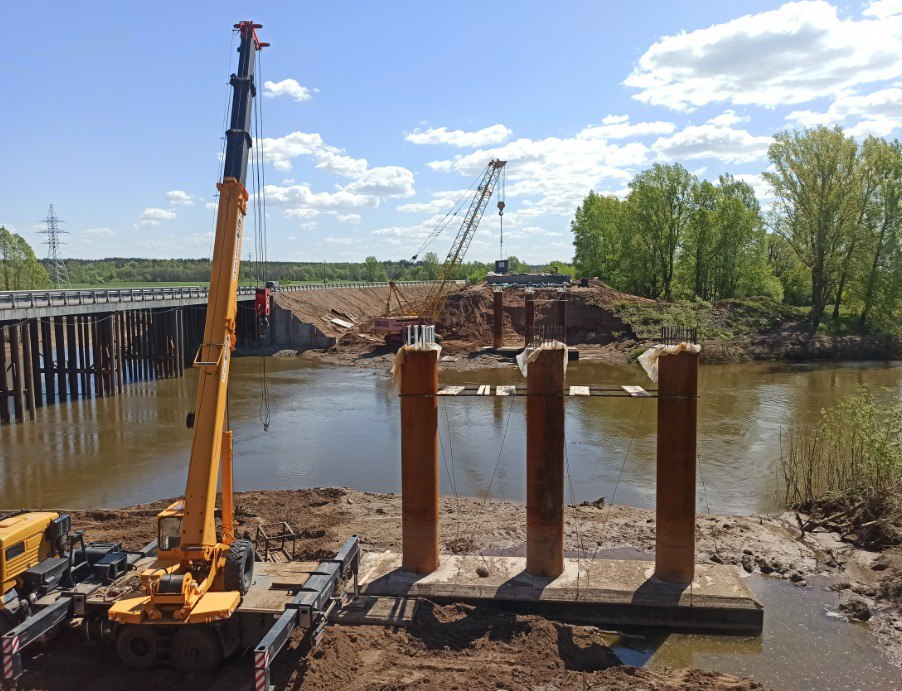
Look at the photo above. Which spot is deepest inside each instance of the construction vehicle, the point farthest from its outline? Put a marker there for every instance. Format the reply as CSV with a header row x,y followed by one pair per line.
x,y
404,312
31,549
200,596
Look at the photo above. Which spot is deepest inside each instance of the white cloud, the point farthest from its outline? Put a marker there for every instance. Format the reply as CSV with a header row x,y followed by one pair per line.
x,y
878,113
153,214
495,134
619,127
367,186
303,212
99,233
441,201
724,143
288,87
349,218
728,118
757,182
180,198
883,8
341,241
209,206
796,53
559,172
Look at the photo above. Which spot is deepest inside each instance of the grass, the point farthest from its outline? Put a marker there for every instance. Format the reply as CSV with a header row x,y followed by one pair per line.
x,y
846,471
724,321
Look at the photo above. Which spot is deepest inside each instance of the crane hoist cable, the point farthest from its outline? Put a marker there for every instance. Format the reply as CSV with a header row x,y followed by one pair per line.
x,y
260,238
502,184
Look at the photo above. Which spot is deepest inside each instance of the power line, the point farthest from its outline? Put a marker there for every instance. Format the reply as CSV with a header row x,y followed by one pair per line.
x,y
57,266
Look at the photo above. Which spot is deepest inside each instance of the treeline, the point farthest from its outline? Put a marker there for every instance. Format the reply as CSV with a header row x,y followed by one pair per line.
x,y
830,237
19,269
114,271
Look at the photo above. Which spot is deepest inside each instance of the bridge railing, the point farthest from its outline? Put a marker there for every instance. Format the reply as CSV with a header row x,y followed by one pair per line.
x,y
25,299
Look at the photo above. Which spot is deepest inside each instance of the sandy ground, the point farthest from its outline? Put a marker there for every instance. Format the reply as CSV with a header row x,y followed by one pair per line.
x,y
461,647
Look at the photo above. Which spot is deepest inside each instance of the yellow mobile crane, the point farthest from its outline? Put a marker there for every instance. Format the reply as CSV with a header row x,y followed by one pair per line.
x,y
394,323
199,577
201,597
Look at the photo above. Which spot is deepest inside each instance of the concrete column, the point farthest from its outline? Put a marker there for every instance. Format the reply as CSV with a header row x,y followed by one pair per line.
x,y
15,352
4,379
28,372
529,315
419,460
562,315
545,464
677,434
498,323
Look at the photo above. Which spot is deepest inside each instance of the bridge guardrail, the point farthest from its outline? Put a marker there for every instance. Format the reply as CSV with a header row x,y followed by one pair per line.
x,y
24,299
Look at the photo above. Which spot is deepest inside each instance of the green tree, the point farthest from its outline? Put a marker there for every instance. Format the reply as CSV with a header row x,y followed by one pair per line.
x,y
373,270
880,283
662,199
598,238
19,268
817,184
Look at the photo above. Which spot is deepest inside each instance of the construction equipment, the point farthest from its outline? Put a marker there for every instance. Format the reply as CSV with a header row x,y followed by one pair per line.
x,y
31,549
393,325
200,596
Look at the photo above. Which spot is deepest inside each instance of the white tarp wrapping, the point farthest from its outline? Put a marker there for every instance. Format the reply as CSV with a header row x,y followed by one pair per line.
x,y
530,354
399,360
649,359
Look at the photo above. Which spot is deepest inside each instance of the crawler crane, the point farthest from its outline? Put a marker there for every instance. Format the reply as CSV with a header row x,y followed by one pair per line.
x,y
396,319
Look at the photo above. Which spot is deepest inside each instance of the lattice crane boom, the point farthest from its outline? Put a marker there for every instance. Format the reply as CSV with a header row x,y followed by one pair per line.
x,y
432,305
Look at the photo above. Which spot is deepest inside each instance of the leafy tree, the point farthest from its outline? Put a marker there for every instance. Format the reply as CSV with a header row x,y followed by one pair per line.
x,y
373,269
19,268
816,180
662,202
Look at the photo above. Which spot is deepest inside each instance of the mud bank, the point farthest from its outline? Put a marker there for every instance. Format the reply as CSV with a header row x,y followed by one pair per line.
x,y
604,324
461,647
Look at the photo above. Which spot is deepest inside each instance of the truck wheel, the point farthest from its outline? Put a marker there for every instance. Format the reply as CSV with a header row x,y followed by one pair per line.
x,y
239,566
196,649
137,646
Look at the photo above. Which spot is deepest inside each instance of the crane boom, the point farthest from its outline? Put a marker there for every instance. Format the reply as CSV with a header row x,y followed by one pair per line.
x,y
432,305
199,576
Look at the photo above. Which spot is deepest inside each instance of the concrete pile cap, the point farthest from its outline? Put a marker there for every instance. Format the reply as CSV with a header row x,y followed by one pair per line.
x,y
530,354
649,359
398,362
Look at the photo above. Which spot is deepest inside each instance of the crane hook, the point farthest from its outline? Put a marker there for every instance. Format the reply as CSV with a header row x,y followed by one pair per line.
x,y
501,208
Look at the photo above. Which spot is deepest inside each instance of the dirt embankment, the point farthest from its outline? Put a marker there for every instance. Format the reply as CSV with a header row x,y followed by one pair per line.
x,y
605,324
459,647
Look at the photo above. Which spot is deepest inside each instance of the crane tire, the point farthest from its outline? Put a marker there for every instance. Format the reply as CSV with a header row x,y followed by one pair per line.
x,y
137,646
196,648
239,566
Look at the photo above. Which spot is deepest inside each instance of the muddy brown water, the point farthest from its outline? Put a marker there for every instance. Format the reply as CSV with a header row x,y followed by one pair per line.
x,y
338,426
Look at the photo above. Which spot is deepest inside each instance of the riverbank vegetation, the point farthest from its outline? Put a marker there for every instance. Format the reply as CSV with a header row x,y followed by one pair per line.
x,y
830,232
845,473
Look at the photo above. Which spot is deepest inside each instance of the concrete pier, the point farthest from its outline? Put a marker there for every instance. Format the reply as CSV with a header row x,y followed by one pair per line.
x,y
419,460
676,467
529,315
545,464
498,319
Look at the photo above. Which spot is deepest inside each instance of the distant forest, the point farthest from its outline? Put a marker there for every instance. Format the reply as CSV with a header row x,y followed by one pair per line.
x,y
113,271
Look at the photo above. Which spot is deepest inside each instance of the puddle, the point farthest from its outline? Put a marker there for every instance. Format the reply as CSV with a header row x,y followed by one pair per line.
x,y
802,646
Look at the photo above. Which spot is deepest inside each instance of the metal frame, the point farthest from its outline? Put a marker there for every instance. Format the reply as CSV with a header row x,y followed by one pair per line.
x,y
309,609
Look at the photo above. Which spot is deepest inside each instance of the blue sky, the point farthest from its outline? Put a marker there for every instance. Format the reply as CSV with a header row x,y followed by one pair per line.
x,y
378,115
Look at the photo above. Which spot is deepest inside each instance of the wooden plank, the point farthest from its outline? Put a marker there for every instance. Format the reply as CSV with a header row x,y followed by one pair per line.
x,y
27,371
505,390
636,391
377,611
579,391
450,390
342,323
47,356
59,330
484,390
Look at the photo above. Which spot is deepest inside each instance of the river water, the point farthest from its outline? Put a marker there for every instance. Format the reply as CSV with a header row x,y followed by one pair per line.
x,y
339,427
335,426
